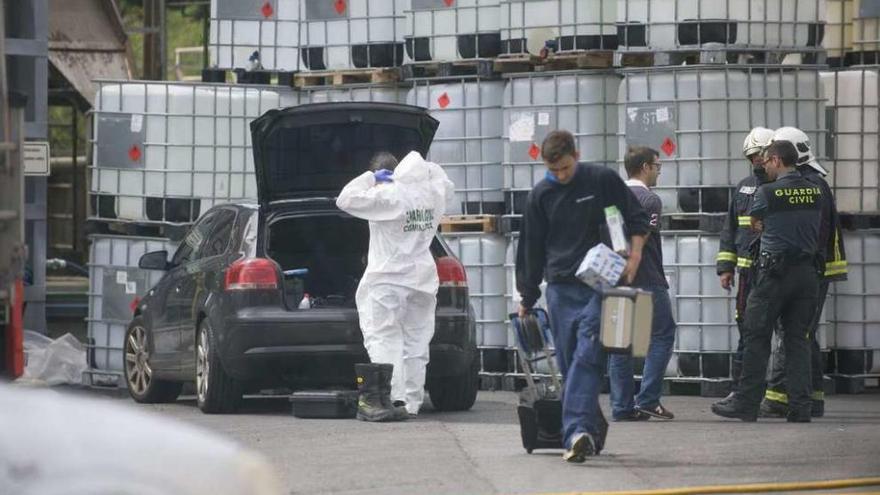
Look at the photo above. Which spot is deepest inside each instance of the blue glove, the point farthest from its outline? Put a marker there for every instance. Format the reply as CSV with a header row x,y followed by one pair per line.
x,y
383,175
551,178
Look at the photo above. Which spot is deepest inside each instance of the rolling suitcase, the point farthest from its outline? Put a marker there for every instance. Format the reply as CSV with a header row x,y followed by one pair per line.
x,y
540,401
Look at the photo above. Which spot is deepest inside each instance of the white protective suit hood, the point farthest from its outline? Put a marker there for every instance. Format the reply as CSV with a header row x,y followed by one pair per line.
x,y
404,216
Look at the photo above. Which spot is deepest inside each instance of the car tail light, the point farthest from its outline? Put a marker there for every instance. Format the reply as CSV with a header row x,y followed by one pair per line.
x,y
451,272
250,274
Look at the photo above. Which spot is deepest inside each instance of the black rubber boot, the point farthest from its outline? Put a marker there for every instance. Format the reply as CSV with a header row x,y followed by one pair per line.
x,y
817,408
734,409
799,416
370,406
400,414
736,368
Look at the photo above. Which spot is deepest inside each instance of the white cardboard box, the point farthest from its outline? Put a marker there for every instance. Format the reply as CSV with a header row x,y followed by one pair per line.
x,y
601,268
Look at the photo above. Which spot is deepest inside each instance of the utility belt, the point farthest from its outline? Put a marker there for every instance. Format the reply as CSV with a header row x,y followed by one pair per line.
x,y
774,263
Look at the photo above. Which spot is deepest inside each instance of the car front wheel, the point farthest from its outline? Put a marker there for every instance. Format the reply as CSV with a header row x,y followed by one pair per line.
x,y
142,385
216,391
457,393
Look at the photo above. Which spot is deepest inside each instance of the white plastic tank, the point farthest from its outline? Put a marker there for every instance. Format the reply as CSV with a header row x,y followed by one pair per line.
x,y
449,30
526,25
866,31
666,25
116,285
698,116
296,35
160,142
838,39
468,143
241,28
583,102
853,113
854,311
387,93
483,258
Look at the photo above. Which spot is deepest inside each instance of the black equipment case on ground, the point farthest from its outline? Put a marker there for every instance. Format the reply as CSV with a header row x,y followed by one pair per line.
x,y
540,402
328,404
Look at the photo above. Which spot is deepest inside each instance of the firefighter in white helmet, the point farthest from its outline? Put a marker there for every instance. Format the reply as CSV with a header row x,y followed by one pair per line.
x,y
775,403
737,235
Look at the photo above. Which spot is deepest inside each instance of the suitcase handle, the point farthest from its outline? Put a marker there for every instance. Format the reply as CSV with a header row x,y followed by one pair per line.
x,y
537,325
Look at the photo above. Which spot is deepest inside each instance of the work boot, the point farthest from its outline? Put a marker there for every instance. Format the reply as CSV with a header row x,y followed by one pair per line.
x,y
370,404
798,416
734,409
817,408
773,409
399,407
736,368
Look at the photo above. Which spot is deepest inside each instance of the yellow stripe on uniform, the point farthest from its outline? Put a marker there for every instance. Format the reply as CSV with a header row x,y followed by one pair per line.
x,y
744,221
776,396
726,256
836,268
743,263
818,395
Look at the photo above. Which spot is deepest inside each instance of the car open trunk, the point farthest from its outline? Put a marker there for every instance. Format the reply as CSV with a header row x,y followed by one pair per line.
x,y
331,246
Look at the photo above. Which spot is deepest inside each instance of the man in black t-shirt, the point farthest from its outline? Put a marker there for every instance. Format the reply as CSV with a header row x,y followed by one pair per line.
x,y
643,168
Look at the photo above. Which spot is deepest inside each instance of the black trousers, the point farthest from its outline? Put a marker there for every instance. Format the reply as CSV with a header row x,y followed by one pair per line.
x,y
789,293
776,389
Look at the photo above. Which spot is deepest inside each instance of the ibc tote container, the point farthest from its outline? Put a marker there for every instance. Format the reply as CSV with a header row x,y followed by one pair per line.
x,y
449,30
697,117
865,32
468,144
483,258
838,41
853,113
164,152
116,285
384,93
854,310
669,25
526,25
583,102
292,35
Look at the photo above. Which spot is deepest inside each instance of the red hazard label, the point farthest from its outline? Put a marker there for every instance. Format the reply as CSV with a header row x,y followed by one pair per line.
x,y
534,151
449,2
267,10
444,100
339,6
134,153
668,146
134,303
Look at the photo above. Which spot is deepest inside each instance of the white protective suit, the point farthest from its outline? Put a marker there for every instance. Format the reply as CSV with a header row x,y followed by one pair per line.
x,y
397,295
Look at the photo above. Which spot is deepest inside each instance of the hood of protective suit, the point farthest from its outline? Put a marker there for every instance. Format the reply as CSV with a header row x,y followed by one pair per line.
x,y
404,216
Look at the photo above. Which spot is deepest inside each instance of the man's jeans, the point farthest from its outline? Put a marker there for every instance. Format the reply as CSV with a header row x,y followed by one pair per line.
x,y
659,353
574,316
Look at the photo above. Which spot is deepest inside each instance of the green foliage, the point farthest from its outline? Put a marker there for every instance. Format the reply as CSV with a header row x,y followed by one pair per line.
x,y
184,27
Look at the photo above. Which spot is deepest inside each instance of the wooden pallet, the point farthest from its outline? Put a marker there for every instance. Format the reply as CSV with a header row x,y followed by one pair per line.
x,y
581,59
469,223
710,55
376,75
472,67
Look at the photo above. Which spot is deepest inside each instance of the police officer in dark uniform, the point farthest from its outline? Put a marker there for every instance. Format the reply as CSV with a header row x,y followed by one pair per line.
x,y
737,236
775,403
786,285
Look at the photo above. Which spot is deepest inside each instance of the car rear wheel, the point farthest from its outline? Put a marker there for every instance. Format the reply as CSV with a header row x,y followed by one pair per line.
x,y
457,393
216,391
142,385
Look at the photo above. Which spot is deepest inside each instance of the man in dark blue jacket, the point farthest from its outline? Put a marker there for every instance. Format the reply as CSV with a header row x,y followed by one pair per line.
x,y
563,220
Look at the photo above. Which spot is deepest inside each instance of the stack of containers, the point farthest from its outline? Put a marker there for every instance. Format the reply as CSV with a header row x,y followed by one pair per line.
x,y
451,30
163,154
853,109
302,35
697,117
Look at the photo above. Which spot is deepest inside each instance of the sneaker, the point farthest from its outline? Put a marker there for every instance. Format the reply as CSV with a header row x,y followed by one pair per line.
x,y
634,415
773,409
657,411
731,409
581,447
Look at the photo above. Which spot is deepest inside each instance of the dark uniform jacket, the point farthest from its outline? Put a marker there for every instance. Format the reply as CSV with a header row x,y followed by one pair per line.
x,y
830,237
737,234
791,210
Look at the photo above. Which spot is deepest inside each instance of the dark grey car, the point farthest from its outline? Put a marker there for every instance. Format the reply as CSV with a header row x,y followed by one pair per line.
x,y
226,314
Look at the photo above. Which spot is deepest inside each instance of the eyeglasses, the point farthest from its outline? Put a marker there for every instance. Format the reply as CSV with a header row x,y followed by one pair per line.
x,y
656,164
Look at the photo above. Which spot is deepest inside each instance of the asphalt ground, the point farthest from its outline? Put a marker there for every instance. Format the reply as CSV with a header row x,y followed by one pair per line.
x,y
480,452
